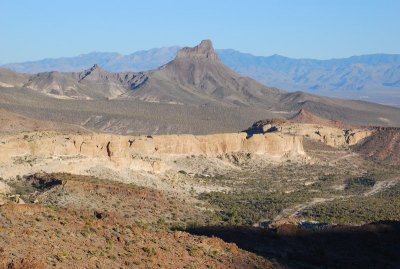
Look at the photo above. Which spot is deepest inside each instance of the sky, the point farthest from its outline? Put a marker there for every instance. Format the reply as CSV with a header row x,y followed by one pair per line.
x,y
321,29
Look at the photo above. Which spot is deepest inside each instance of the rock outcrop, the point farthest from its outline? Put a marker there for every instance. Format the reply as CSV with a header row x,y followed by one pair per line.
x,y
143,153
204,50
116,146
331,132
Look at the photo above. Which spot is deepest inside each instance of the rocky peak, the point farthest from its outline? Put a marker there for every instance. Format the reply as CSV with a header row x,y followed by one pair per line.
x,y
204,50
95,72
96,68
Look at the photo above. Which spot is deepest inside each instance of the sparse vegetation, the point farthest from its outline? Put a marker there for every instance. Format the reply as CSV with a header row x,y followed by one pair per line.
x,y
384,205
359,184
246,208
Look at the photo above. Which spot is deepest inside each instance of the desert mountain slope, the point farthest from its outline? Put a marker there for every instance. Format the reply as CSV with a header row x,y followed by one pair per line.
x,y
348,111
197,76
12,123
382,146
303,116
131,116
93,83
9,78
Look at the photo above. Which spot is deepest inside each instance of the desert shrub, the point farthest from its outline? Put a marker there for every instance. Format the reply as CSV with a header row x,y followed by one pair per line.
x,y
328,177
359,209
150,251
246,208
359,184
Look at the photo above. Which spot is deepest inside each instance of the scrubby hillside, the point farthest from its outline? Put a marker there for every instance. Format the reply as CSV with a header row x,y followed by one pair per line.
x,y
12,123
82,222
382,146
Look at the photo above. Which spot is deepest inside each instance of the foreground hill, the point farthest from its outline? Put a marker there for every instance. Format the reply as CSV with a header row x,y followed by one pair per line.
x,y
84,222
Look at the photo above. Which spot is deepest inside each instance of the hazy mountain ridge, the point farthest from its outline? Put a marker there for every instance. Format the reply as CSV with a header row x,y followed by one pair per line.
x,y
369,77
374,77
110,61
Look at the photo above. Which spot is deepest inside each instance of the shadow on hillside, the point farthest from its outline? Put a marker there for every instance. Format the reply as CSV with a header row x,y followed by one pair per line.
x,y
375,245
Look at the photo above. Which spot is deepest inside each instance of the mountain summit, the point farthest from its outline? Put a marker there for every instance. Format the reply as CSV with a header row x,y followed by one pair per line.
x,y
204,50
93,73
196,76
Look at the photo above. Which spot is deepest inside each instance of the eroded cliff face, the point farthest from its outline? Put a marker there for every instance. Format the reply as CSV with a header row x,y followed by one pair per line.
x,y
75,153
332,136
331,132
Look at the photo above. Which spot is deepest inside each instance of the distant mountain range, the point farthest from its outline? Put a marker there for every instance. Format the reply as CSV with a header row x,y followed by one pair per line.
x,y
112,62
374,77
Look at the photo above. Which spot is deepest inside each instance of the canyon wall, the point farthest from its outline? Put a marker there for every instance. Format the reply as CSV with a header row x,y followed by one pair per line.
x,y
118,146
144,153
332,136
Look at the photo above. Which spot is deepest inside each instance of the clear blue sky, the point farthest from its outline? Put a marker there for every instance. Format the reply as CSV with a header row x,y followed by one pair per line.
x,y
31,30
